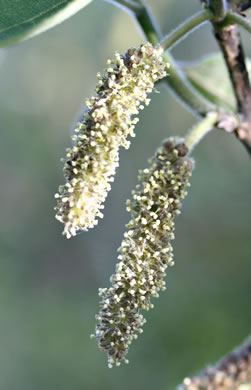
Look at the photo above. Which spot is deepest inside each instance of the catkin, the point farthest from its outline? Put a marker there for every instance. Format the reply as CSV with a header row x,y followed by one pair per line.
x,y
232,373
91,163
146,249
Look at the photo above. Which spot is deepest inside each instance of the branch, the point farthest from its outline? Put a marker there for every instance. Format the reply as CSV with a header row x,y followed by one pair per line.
x,y
232,372
185,28
177,80
231,47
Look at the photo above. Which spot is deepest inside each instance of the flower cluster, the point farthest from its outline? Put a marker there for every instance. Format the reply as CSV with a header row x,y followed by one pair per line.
x,y
146,249
233,372
90,165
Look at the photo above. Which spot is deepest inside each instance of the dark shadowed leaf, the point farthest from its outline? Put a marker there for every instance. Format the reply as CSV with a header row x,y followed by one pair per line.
x,y
22,19
210,77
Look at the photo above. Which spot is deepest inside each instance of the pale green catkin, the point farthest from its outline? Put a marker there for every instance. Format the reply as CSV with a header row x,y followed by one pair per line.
x,y
231,373
146,249
90,165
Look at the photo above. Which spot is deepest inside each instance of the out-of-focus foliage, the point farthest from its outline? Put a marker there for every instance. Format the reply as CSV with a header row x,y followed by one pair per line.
x,y
208,75
24,19
48,285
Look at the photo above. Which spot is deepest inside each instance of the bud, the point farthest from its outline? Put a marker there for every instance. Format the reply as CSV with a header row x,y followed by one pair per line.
x,y
146,249
90,165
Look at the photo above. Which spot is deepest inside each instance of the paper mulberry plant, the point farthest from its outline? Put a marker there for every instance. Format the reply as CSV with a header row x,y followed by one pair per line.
x,y
108,123
90,165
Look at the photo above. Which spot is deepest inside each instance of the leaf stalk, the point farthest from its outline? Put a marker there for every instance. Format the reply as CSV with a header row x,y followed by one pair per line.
x,y
185,28
234,18
201,129
177,79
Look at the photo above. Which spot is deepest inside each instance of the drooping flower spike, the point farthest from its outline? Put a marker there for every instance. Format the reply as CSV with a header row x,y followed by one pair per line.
x,y
231,373
90,165
146,249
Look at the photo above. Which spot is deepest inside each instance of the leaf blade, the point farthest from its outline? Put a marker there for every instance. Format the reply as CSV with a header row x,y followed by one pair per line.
x,y
26,18
210,77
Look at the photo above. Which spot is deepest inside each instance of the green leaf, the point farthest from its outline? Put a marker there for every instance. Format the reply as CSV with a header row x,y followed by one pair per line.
x,y
210,77
22,19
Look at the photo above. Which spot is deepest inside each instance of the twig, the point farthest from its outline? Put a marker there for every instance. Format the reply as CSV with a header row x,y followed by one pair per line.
x,y
185,28
233,17
176,80
234,57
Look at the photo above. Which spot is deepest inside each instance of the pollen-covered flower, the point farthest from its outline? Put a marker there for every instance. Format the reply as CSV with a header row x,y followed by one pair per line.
x,y
231,373
146,249
90,165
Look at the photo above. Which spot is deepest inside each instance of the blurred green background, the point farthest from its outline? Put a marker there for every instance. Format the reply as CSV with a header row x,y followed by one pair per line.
x,y
48,284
